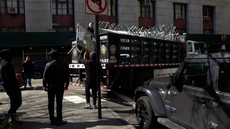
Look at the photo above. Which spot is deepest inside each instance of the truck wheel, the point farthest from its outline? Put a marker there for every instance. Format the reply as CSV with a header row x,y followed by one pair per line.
x,y
37,75
144,113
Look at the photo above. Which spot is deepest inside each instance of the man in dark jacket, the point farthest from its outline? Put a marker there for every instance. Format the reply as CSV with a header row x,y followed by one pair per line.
x,y
9,81
90,82
28,68
55,79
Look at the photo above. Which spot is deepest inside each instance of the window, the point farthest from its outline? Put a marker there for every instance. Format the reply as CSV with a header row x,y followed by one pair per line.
x,y
208,12
21,6
224,74
181,31
146,10
179,11
54,7
195,74
3,29
2,6
11,4
112,7
208,31
70,6
22,29
13,29
71,29
62,29
62,8
18,4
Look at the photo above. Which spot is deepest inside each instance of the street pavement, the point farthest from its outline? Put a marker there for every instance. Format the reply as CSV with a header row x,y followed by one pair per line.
x,y
34,112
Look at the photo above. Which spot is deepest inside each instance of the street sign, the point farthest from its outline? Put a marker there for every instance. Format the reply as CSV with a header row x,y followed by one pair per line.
x,y
56,24
98,7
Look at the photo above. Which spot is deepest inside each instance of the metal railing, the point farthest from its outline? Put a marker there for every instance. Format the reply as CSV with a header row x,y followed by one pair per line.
x,y
162,32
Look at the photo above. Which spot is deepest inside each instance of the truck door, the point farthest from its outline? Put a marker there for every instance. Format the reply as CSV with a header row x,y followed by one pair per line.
x,y
190,106
220,99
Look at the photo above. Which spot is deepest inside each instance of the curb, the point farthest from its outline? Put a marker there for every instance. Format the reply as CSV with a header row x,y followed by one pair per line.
x,y
129,101
119,118
125,98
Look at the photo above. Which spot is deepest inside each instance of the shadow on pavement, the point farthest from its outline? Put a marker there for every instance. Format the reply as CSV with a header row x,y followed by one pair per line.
x,y
109,123
109,96
125,111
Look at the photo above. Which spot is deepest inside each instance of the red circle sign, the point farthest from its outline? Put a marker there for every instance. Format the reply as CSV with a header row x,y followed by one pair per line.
x,y
96,2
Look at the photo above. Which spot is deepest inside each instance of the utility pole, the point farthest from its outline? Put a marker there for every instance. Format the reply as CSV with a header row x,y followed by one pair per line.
x,y
97,64
51,18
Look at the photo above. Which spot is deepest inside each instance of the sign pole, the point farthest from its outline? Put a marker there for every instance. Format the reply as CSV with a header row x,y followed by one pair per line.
x,y
97,70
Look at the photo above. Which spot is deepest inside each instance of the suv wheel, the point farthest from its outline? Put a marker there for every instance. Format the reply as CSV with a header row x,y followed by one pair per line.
x,y
37,75
144,113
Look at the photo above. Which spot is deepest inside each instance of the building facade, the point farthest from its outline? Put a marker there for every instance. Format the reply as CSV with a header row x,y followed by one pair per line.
x,y
190,16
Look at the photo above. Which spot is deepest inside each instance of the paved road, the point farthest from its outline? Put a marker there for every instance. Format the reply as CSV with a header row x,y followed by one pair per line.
x,y
123,108
34,111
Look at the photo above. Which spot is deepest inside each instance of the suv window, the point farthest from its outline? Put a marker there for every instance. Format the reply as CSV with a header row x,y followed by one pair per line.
x,y
224,77
195,74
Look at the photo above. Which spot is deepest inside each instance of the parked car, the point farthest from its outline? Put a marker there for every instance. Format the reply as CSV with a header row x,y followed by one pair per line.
x,y
39,67
195,97
19,77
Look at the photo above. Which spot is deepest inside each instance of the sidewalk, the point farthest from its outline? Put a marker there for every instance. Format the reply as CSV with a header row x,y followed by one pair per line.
x,y
34,113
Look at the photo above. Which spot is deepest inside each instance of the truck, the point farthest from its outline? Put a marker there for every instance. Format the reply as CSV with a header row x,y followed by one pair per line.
x,y
130,56
196,96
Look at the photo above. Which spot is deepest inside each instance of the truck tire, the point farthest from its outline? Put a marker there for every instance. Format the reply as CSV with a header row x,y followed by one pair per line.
x,y
144,114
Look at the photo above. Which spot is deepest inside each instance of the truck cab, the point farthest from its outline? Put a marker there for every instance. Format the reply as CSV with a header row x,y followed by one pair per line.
x,y
196,47
195,97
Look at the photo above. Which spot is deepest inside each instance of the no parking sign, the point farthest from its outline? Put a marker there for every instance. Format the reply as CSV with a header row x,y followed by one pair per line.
x,y
96,7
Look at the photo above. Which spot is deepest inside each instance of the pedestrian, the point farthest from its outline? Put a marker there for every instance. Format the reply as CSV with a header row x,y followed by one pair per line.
x,y
28,68
8,80
55,81
90,28
90,82
88,38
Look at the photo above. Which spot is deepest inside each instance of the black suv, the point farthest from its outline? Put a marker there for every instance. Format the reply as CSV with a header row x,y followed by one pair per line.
x,y
39,67
197,96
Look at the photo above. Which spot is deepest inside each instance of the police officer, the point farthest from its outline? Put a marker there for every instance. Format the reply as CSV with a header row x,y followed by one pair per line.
x,y
9,81
55,79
